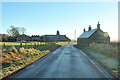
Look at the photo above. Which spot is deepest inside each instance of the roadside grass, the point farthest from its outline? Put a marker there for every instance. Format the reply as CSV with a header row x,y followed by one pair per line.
x,y
15,59
105,53
107,49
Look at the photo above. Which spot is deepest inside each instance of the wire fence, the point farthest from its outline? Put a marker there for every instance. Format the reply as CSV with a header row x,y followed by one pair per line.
x,y
27,45
17,45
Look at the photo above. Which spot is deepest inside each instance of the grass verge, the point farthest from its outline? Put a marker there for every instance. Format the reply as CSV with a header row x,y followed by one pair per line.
x,y
105,53
14,59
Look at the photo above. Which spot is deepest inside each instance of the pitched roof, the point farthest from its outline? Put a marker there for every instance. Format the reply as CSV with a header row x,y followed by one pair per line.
x,y
23,35
35,36
56,36
87,34
53,36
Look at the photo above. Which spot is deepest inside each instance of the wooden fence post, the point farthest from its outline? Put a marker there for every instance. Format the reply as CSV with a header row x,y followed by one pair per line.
x,y
35,45
4,45
38,44
26,45
20,45
31,45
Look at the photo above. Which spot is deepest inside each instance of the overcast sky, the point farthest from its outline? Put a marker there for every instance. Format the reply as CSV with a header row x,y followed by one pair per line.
x,y
41,18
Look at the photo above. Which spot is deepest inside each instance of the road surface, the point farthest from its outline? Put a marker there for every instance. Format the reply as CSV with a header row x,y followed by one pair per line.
x,y
65,62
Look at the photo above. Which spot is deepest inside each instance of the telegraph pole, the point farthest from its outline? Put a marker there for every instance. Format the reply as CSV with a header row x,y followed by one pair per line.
x,y
75,36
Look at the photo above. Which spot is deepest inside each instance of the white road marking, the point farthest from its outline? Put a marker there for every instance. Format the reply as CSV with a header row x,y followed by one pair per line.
x,y
82,53
92,61
105,74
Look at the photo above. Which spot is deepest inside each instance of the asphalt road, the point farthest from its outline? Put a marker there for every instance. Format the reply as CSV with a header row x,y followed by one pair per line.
x,y
65,62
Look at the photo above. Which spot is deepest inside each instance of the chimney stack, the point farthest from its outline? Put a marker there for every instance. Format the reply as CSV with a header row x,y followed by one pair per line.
x,y
98,25
84,30
89,28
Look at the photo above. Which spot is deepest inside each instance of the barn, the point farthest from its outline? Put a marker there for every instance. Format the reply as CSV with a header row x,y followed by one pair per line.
x,y
12,39
55,38
23,38
93,35
35,38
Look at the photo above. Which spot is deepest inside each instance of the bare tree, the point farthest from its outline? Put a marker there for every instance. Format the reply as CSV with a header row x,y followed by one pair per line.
x,y
15,31
23,30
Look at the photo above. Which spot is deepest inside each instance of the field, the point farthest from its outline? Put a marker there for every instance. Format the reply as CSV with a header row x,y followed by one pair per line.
x,y
16,55
107,54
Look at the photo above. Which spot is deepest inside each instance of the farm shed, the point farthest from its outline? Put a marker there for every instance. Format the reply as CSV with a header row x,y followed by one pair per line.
x,y
93,35
55,38
12,39
23,38
35,38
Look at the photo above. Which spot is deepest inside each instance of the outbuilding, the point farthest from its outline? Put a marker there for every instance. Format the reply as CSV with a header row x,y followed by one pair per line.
x,y
55,38
35,38
23,38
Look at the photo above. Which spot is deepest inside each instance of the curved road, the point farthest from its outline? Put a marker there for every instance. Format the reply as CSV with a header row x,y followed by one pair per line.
x,y
66,62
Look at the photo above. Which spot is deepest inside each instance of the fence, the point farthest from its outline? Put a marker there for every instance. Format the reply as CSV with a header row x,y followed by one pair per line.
x,y
27,45
17,45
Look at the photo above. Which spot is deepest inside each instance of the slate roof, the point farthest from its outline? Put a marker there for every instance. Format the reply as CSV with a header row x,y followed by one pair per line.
x,y
53,36
56,36
87,34
35,36
23,35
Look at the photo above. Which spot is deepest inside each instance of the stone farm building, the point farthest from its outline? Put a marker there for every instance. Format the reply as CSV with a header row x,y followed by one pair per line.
x,y
55,38
23,38
36,38
94,35
12,39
